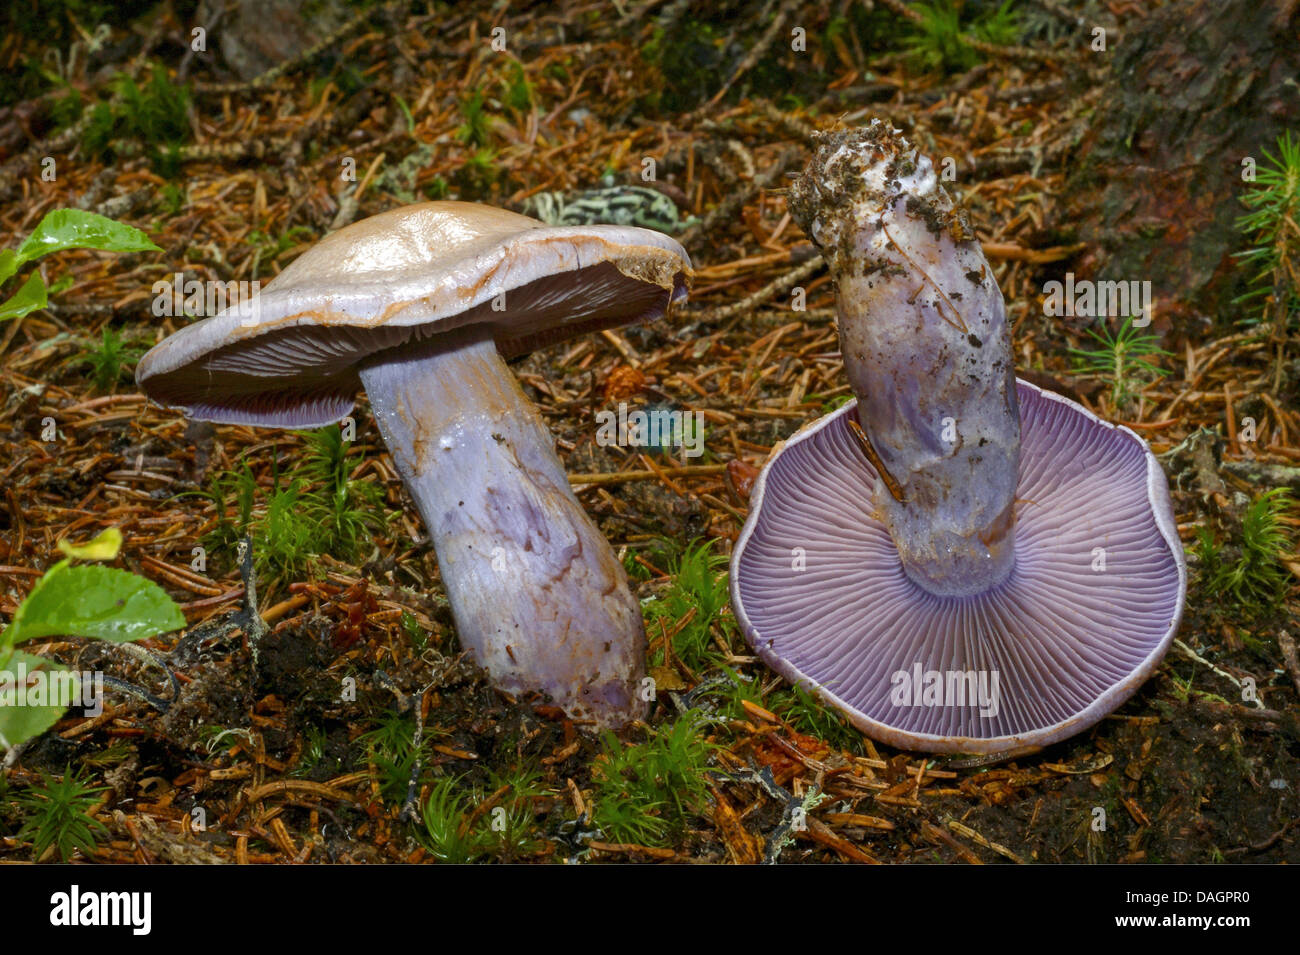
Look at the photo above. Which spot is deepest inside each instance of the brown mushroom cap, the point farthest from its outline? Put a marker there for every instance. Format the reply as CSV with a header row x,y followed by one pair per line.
x,y
404,276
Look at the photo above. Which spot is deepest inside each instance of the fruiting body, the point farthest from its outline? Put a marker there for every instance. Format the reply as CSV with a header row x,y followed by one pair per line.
x,y
959,561
419,305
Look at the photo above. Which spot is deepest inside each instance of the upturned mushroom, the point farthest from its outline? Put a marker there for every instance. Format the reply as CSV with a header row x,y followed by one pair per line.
x,y
958,560
418,306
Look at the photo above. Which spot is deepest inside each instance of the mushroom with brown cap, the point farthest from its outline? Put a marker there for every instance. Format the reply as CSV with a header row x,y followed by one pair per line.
x,y
418,306
959,561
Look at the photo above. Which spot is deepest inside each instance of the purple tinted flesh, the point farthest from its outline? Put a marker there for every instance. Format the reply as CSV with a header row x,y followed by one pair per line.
x,y
539,598
926,349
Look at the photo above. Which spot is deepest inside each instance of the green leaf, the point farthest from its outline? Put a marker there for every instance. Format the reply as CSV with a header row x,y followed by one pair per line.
x,y
8,264
75,229
103,547
27,299
19,723
101,602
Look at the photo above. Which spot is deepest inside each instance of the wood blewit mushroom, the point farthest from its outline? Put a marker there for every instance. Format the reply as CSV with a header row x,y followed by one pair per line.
x,y
419,305
959,561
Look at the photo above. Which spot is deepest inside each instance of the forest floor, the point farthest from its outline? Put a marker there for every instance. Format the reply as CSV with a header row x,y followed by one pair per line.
x,y
233,178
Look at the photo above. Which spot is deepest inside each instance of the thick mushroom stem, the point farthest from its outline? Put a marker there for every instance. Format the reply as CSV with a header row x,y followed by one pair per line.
x,y
927,351
539,598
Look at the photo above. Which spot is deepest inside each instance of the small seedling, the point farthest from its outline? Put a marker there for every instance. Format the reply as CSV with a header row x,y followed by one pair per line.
x,y
1124,358
57,814
102,603
110,359
1273,227
59,230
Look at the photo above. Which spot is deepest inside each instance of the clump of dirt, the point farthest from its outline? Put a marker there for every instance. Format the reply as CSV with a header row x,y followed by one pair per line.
x,y
214,697
291,663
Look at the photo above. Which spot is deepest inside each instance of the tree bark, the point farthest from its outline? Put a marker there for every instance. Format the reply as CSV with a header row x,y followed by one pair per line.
x,y
1155,187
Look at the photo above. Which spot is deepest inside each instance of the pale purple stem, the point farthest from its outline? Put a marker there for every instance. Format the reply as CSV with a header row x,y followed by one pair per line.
x,y
927,352
539,598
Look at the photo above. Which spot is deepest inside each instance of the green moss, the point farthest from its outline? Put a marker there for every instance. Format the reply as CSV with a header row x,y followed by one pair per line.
x,y
445,814
810,716
1248,571
56,814
646,792
110,360
696,601
939,42
316,509
154,114
690,61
